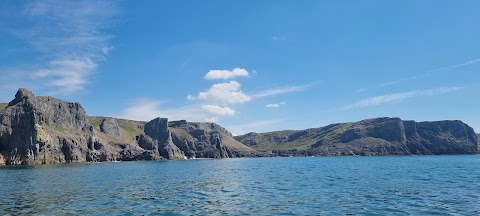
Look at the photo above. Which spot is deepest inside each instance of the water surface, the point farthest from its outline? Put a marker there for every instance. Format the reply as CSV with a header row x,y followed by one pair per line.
x,y
267,186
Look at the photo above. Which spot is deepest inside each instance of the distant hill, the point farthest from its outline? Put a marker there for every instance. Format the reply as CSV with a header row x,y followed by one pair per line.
x,y
379,136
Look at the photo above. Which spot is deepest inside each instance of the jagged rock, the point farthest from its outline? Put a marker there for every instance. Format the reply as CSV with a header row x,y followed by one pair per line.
x,y
135,152
110,127
36,130
207,140
379,136
158,130
46,130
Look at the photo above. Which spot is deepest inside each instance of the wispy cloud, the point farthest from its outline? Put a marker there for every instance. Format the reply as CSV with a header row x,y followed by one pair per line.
x,y
222,111
146,109
457,65
69,36
68,75
361,90
281,90
398,81
390,83
253,126
226,74
275,105
389,98
429,73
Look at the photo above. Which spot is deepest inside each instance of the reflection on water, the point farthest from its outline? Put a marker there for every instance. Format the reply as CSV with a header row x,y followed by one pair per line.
x,y
275,186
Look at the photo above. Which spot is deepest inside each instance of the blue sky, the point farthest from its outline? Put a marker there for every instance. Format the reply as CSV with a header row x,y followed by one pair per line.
x,y
248,65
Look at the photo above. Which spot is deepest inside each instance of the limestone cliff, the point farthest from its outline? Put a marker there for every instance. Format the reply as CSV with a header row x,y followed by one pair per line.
x,y
379,136
207,140
35,130
46,130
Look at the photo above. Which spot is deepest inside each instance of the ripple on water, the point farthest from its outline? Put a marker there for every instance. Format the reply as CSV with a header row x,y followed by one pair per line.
x,y
248,186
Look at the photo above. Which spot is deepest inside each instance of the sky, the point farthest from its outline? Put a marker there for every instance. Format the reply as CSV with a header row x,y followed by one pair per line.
x,y
251,66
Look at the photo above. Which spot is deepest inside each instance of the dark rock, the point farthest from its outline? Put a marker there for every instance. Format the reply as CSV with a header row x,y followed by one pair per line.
x,y
110,127
135,152
46,130
158,130
207,140
36,130
380,136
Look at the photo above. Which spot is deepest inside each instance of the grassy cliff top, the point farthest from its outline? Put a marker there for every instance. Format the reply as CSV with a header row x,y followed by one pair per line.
x,y
3,105
129,129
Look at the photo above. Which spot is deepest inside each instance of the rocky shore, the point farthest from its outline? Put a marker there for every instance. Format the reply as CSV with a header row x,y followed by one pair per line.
x,y
370,137
46,130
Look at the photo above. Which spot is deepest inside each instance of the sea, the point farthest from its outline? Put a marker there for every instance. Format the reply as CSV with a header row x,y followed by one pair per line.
x,y
391,185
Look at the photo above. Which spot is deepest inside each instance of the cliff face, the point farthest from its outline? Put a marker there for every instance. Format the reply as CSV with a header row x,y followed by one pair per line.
x,y
36,130
45,130
478,143
207,140
380,136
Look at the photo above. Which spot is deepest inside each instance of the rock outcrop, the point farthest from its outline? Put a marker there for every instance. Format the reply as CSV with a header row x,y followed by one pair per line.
x,y
110,127
478,143
159,131
36,130
207,140
380,136
46,130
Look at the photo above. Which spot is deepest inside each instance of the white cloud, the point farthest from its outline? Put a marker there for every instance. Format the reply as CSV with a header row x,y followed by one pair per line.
x,y
361,90
223,93
69,36
222,111
275,105
391,83
257,126
212,119
281,90
69,74
456,66
272,105
146,109
378,100
226,74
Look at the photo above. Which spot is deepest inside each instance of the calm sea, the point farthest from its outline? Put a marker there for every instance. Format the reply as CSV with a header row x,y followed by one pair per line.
x,y
418,185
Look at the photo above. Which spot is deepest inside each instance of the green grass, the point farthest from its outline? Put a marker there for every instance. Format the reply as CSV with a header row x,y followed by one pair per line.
x,y
180,133
95,121
129,129
3,106
287,140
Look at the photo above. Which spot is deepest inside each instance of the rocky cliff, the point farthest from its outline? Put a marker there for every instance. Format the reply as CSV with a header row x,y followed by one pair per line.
x,y
37,130
380,136
478,143
46,130
207,140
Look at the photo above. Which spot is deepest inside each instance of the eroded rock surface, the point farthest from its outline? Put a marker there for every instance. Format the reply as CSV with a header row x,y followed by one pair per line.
x,y
379,136
46,130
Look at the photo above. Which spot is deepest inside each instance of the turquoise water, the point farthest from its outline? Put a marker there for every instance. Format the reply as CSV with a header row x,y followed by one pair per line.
x,y
418,185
